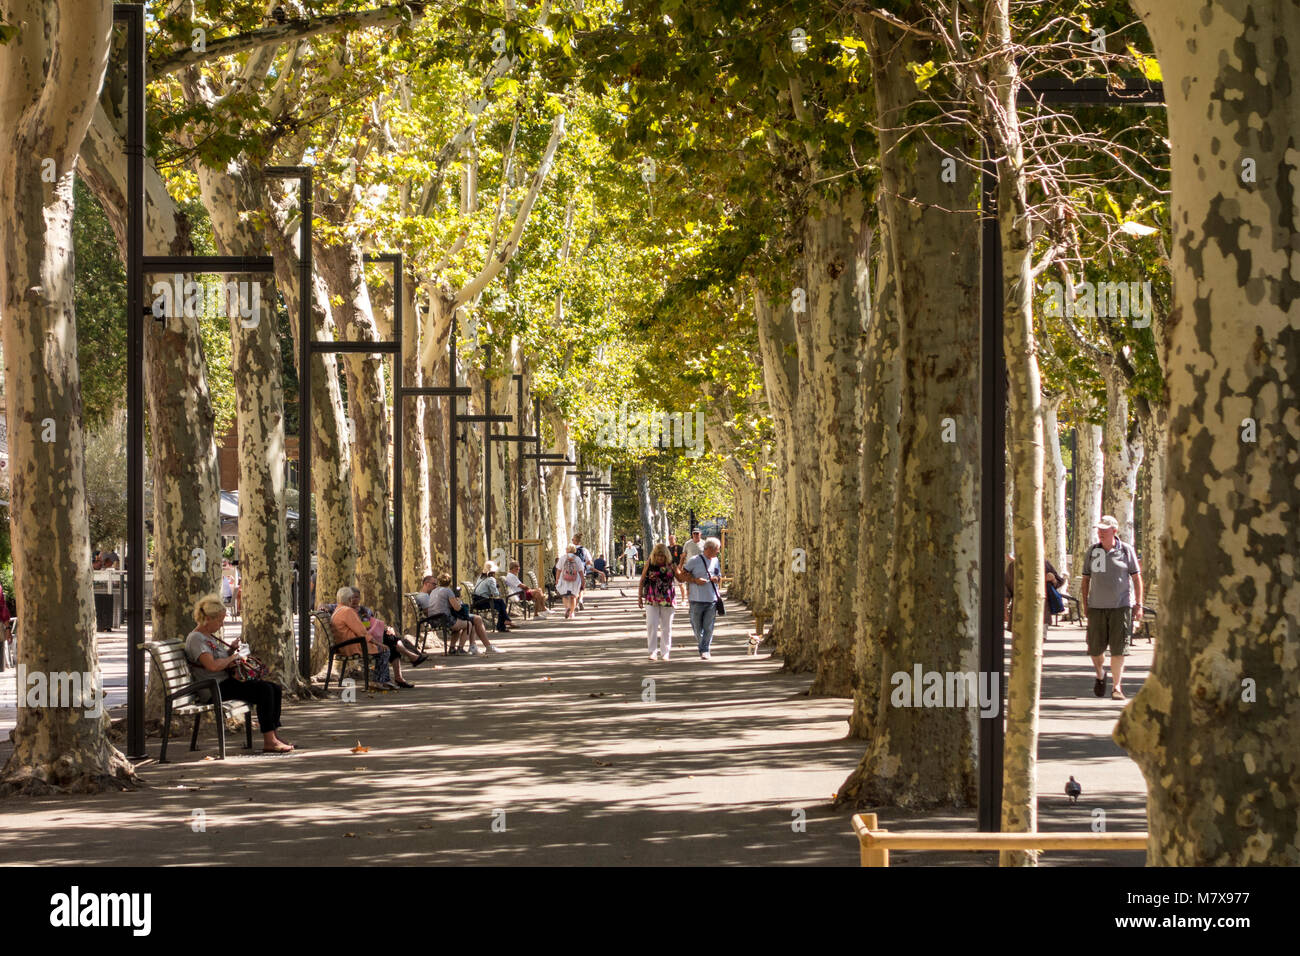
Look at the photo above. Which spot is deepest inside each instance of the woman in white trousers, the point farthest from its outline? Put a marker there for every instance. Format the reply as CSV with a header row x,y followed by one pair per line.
x,y
657,593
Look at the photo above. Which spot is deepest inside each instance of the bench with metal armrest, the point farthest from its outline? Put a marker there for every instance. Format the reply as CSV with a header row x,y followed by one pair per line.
x,y
325,633
179,685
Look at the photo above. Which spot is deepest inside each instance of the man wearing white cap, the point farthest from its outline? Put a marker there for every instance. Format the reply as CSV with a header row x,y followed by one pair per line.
x,y
1111,598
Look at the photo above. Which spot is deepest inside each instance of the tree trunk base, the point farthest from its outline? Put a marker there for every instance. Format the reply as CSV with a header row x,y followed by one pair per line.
x,y
865,789
68,776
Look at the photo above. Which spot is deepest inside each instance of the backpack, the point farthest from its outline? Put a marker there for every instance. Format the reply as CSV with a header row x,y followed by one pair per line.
x,y
570,570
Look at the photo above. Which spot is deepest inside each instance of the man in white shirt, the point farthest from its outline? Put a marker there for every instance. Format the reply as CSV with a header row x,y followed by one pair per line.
x,y
629,559
689,550
515,588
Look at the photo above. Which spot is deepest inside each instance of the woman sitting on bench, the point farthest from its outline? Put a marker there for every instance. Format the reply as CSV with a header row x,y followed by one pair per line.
x,y
211,656
351,619
467,625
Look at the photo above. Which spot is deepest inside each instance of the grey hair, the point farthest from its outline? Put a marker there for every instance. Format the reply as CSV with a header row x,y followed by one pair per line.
x,y
717,545
344,594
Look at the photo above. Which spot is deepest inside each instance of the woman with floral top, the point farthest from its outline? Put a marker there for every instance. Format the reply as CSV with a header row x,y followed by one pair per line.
x,y
657,593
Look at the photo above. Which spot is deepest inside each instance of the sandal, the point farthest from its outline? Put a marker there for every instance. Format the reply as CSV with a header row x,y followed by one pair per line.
x,y
1099,686
420,660
1117,694
405,684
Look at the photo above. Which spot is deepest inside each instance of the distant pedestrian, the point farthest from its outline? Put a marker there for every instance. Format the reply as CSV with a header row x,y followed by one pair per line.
x,y
689,550
569,580
629,559
704,572
658,595
1052,603
1110,598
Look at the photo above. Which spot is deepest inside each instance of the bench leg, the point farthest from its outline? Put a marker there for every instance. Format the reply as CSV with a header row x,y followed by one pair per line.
x,y
194,737
221,729
248,731
167,730
329,668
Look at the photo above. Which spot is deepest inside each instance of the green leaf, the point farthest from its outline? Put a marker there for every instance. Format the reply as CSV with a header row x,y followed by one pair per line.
x,y
924,73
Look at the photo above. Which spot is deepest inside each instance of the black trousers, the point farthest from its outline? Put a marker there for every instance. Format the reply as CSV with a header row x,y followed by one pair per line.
x,y
482,604
262,694
390,641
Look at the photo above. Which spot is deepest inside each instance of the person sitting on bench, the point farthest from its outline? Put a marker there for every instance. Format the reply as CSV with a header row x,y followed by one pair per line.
x,y
346,624
211,657
487,594
515,588
467,625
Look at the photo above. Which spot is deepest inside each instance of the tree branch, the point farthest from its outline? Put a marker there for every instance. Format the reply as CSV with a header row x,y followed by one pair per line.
x,y
498,261
280,33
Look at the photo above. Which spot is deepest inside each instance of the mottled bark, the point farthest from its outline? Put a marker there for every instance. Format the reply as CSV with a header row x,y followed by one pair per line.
x,y
417,554
1087,496
1055,484
369,427
1216,725
1117,490
925,756
879,387
183,452
331,453
264,557
434,338
49,74
1153,420
832,239
557,528
1025,423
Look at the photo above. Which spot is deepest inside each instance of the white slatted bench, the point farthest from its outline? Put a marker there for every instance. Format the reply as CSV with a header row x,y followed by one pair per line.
x,y
173,667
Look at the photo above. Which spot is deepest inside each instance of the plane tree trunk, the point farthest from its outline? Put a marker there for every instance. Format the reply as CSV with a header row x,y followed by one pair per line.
x,y
50,73
1214,727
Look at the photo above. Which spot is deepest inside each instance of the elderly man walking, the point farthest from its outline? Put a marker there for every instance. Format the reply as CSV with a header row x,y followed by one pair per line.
x,y
1111,598
703,572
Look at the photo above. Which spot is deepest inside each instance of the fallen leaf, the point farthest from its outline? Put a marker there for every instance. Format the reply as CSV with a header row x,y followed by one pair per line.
x,y
601,763
358,749
349,834
426,826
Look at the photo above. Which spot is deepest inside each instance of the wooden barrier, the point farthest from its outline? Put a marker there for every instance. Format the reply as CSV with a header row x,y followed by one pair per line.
x,y
875,843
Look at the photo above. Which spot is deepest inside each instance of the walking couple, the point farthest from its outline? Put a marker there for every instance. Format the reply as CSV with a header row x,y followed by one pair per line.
x,y
657,593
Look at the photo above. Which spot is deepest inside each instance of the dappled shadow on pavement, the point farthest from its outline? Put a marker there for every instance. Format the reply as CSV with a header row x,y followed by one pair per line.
x,y
571,748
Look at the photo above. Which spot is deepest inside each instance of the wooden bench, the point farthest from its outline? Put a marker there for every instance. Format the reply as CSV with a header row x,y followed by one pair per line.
x,y
325,633
874,843
179,684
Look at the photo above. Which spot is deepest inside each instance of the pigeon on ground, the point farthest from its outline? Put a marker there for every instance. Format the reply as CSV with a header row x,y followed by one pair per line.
x,y
1073,790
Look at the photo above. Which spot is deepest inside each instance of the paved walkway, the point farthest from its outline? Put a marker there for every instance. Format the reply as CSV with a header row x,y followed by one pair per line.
x,y
550,754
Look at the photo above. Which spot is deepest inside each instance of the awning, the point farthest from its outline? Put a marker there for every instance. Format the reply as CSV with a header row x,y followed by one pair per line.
x,y
230,513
